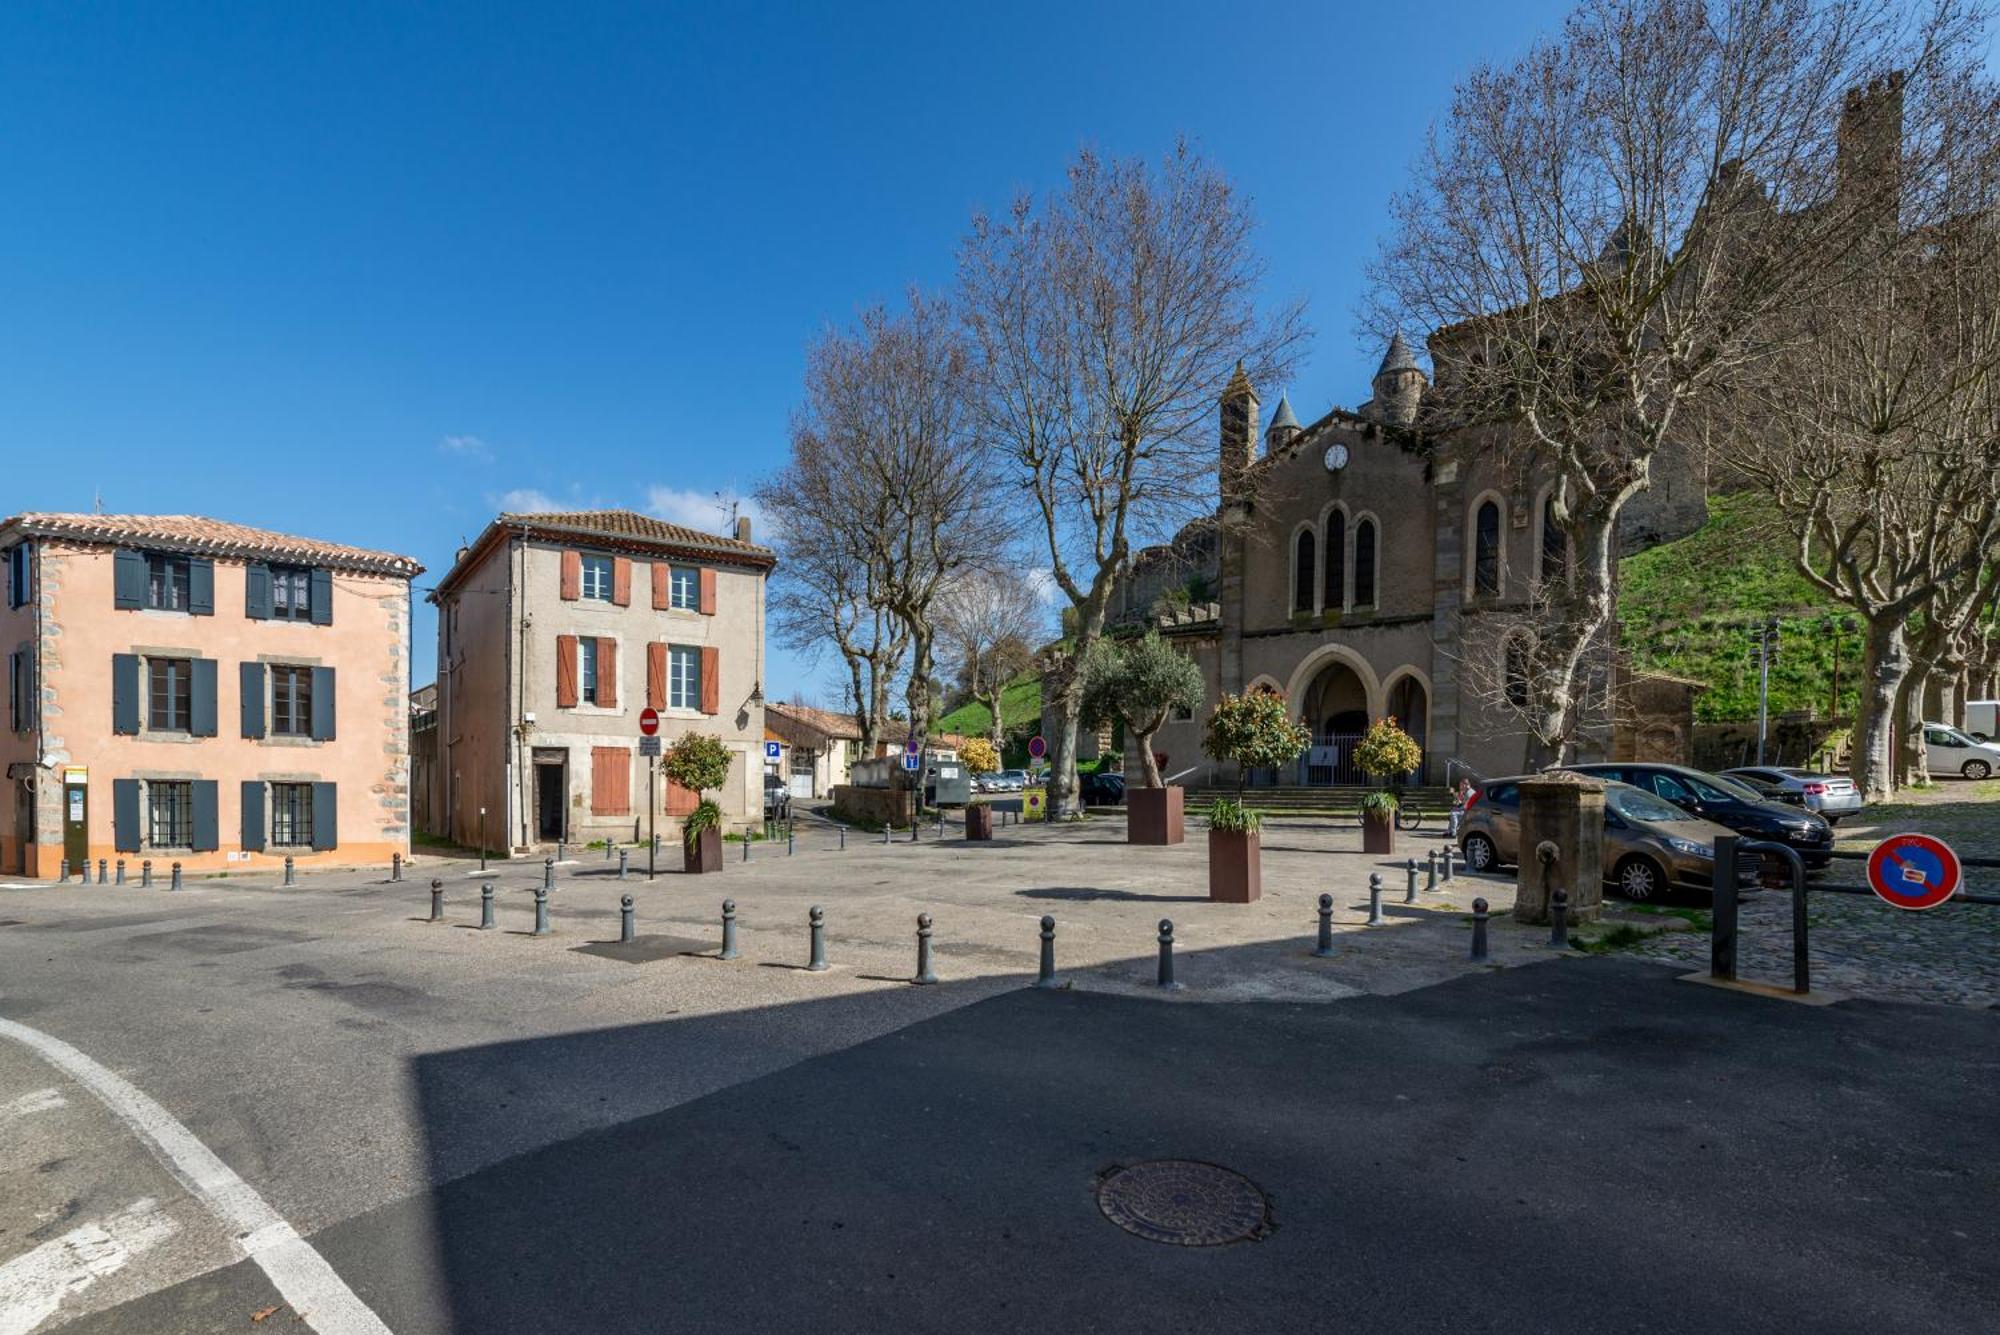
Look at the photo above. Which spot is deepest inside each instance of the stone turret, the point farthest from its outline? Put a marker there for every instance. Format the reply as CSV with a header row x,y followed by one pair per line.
x,y
1869,161
1399,384
1239,431
1284,426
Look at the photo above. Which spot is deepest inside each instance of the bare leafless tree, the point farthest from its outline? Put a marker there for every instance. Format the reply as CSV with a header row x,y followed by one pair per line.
x,y
1107,316
1601,234
989,622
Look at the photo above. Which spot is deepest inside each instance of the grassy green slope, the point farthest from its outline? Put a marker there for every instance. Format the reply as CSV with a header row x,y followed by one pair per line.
x,y
1687,608
1020,706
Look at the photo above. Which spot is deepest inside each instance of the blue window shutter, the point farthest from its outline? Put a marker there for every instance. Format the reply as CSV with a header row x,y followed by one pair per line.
x,y
326,817
257,592
201,586
125,815
253,815
125,694
205,824
251,680
202,697
322,703
128,582
322,597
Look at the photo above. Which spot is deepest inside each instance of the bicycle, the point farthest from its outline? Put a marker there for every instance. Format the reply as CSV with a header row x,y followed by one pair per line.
x,y
1409,815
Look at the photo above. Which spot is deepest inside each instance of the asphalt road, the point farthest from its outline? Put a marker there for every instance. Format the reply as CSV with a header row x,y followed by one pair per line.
x,y
1582,1145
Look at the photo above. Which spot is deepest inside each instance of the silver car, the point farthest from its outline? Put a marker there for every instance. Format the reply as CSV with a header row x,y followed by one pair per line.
x,y
1831,795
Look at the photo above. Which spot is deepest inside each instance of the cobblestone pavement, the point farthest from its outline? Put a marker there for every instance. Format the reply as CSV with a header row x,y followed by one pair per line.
x,y
1963,814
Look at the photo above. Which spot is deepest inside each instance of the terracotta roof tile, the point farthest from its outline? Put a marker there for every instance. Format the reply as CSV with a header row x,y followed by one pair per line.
x,y
630,524
202,536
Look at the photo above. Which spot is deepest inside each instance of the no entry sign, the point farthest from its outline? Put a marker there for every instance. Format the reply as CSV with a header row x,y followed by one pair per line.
x,y
1913,871
649,721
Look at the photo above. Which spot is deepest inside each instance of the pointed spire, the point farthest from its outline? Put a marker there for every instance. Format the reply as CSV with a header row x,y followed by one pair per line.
x,y
1398,357
1239,384
1283,417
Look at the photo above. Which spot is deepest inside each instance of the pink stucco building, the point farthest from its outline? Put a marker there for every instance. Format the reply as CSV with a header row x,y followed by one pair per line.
x,y
181,689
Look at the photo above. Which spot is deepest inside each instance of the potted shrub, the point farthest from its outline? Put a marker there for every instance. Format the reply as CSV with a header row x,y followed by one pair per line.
x,y
699,762
1385,753
979,756
1253,732
1141,683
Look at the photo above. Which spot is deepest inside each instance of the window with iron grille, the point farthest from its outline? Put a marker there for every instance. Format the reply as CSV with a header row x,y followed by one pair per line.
x,y
291,593
683,677
292,815
684,591
586,668
171,694
167,580
291,701
169,814
597,578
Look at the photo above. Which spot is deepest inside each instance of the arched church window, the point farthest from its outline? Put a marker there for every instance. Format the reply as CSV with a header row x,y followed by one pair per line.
x,y
1305,564
1515,670
1486,549
1336,559
1555,543
1364,563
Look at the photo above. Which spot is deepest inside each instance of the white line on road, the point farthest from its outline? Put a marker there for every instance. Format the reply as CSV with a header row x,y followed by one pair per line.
x,y
34,1284
320,1297
40,1100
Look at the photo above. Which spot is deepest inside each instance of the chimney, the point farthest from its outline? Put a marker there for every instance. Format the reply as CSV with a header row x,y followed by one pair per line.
x,y
743,528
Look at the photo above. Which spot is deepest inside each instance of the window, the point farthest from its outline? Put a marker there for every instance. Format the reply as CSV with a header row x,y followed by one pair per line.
x,y
20,578
1333,593
597,578
1305,564
170,814
291,593
292,815
170,683
586,667
683,677
684,589
1555,543
1364,563
1486,550
291,701
167,582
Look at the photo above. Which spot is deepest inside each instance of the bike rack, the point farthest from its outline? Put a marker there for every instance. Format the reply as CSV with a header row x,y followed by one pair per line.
x,y
1722,933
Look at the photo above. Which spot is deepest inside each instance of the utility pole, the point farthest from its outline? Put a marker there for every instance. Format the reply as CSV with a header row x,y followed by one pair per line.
x,y
1767,650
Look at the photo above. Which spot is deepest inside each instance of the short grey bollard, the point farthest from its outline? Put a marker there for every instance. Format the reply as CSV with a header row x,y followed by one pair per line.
x,y
1045,976
791,834
562,850
729,950
395,866
1324,949
746,845
1479,916
121,871
1375,899
541,910
1166,978
548,873
62,871
1431,881
607,850
1447,862
437,900
925,974
626,934
885,832
103,866
486,922
288,870
843,835
916,819
1559,920
816,920
175,883
622,855
1410,890
146,874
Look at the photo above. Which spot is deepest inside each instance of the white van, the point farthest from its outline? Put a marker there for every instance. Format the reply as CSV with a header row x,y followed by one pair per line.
x,y
1949,751
1982,719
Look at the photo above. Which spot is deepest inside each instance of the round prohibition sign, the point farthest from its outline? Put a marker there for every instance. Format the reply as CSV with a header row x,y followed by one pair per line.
x,y
1913,871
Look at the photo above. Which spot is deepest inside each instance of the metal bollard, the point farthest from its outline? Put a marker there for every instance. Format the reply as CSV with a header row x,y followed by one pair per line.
x,y
541,910
562,850
925,974
622,856
1374,899
395,866
437,900
625,933
1166,978
548,873
1559,920
746,845
1447,862
916,819
146,874
1410,890
1479,916
1324,949
103,866
729,950
62,871
843,835
288,870
486,923
607,850
885,833
1431,882
175,884
816,919
121,871
1045,976
791,833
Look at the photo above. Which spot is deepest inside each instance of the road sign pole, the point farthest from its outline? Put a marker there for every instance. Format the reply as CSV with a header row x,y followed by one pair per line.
x,y
652,832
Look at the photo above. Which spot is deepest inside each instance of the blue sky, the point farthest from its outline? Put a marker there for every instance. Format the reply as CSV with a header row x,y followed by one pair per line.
x,y
372,273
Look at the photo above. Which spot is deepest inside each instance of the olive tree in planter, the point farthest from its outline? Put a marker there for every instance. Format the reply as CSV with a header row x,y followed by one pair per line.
x,y
979,756
699,762
1385,753
1141,683
1254,732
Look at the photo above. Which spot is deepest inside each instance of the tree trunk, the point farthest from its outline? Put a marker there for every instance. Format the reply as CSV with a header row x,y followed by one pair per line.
x,y
1885,661
919,692
1149,766
994,732
1063,804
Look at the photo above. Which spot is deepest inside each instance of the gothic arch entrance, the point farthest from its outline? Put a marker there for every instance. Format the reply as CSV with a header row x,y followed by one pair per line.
x,y
1335,707
1409,703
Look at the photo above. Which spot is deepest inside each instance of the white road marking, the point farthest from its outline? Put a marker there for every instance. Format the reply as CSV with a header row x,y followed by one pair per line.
x,y
40,1100
312,1288
34,1284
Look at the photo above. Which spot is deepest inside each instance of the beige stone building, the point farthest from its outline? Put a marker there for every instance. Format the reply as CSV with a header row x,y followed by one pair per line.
x,y
181,689
554,632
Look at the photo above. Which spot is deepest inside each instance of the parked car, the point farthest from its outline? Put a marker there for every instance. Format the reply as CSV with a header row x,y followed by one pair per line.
x,y
1831,795
1012,780
1949,751
777,798
1105,789
1650,845
1726,802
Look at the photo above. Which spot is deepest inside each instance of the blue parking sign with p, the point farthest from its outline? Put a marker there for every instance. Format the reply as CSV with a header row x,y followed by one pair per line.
x,y
771,750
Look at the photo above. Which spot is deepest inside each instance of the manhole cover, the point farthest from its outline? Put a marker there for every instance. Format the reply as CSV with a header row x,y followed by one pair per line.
x,y
1183,1202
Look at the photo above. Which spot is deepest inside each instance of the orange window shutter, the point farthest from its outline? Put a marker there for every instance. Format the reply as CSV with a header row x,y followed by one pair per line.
x,y
566,671
680,801
621,581
707,591
572,576
711,679
656,675
662,572
610,781
607,672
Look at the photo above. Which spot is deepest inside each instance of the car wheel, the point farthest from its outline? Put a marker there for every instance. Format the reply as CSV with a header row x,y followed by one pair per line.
x,y
1977,769
1480,854
1639,879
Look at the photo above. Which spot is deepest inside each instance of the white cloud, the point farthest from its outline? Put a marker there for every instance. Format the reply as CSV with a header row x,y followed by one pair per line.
x,y
704,511
467,447
527,501
1042,580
